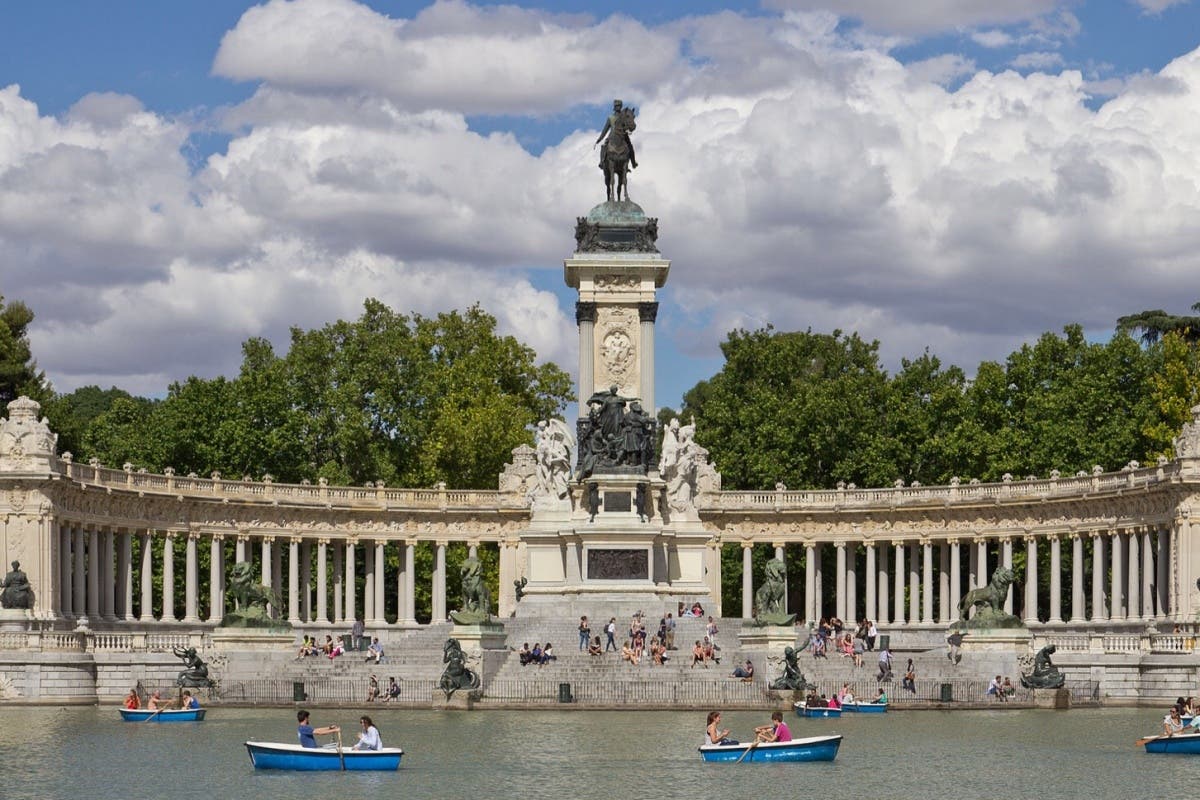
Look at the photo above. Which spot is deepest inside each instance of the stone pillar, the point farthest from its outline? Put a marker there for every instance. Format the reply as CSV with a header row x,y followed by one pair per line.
x,y
1133,598
927,588
168,599
870,581
108,580
810,583
972,567
191,580
368,607
1031,612
1148,573
146,612
410,581
780,555
1077,611
266,576
350,584
65,576
883,613
216,579
944,605
955,578
239,549
402,582
1006,554
79,584
380,586
851,585
439,584
93,575
1164,573
747,580
1116,595
983,575
1055,578
647,312
276,583
914,585
322,580
125,568
1098,568
899,606
306,581
293,580
819,580
339,613
585,317
840,580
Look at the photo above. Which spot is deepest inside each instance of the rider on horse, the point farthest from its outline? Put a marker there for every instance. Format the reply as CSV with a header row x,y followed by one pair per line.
x,y
613,124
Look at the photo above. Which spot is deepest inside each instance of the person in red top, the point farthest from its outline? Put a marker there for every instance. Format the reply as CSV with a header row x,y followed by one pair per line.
x,y
131,700
777,731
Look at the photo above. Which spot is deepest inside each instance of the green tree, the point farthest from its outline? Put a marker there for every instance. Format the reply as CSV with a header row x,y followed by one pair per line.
x,y
19,374
1153,325
73,413
1174,390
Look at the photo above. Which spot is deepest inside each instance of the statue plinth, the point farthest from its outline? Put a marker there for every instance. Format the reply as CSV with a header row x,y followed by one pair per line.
x,y
15,619
1059,699
997,640
461,700
771,639
257,639
479,637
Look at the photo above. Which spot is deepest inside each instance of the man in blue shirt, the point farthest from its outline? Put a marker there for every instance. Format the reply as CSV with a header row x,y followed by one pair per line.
x,y
189,702
307,732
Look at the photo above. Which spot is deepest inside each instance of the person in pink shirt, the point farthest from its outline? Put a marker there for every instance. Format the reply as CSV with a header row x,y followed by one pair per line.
x,y
777,731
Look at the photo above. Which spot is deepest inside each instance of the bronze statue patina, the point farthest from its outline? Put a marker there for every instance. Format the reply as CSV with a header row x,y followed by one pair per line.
x,y
519,587
456,675
195,674
771,597
616,154
1044,675
792,678
988,602
250,599
17,591
476,599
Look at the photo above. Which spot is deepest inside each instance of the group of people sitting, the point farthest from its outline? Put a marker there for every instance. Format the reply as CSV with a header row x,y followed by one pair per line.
x,y
538,655
331,648
839,699
831,634
368,737
374,693
1174,721
775,731
155,701
705,651
1002,690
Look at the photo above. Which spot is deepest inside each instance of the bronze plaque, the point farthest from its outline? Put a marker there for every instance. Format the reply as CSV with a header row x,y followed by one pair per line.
x,y
618,501
618,565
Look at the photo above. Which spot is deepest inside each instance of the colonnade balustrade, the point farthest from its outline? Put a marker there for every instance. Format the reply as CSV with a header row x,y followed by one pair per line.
x,y
111,575
1113,575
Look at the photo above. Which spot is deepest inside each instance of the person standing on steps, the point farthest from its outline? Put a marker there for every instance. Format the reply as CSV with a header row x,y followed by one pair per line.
x,y
585,632
610,630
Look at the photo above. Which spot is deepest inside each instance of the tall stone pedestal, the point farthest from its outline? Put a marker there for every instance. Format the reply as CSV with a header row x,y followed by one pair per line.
x,y
1052,698
15,620
769,640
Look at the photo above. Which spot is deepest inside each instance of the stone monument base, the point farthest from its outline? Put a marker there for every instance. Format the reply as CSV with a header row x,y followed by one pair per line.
x,y
461,700
477,638
997,640
15,619
258,639
1052,698
772,639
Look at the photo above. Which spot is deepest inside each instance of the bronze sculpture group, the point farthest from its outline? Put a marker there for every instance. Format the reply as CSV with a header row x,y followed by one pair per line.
x,y
17,593
616,154
456,675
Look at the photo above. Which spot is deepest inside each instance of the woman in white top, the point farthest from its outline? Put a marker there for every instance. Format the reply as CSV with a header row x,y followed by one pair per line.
x,y
369,738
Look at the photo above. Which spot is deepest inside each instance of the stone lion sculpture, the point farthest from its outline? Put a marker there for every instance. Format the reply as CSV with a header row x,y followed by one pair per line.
x,y
990,597
476,598
771,597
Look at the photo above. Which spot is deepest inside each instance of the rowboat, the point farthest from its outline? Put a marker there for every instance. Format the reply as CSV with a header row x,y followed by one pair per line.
x,y
1179,743
274,755
163,714
803,710
865,708
814,748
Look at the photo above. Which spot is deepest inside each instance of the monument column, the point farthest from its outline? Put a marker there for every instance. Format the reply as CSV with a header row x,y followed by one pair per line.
x,y
239,548
168,598
1006,560
125,568
899,565
1164,573
955,578
350,585
1116,593
927,590
1148,574
647,313
93,574
380,618
266,545
1098,569
1031,609
944,583
585,318
410,584
322,580
65,578
368,606
339,616
276,583
1055,578
306,582
870,581
191,580
79,589
216,579
1133,600
146,611
914,585
1077,612
747,580
840,580
810,583
882,614
108,582
294,580
982,575
439,584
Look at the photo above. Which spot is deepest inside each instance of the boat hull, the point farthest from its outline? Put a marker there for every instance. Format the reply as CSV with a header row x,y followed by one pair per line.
x,y
813,748
1180,743
163,715
865,708
274,755
804,711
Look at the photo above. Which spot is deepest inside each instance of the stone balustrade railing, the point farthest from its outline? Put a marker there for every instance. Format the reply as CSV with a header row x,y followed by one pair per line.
x,y
90,641
1104,642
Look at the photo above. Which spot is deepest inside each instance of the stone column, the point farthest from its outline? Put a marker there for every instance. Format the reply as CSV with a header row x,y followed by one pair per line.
x,y
306,582
851,585
810,583
983,575
1098,568
65,577
1031,612
322,580
339,615
899,606
146,612
840,581
914,585
277,576
216,579
585,317
108,581
927,588
293,580
1164,573
1116,595
955,578
125,568
168,599
350,584
1055,578
883,613
368,582
1077,610
93,575
439,584
819,580
747,580
380,597
79,584
973,567
239,548
402,582
191,580
410,581
647,312
1147,573
1133,599
944,583
870,581
1006,560
266,546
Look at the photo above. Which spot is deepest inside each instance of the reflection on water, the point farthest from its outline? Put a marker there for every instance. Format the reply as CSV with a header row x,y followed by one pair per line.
x,y
73,753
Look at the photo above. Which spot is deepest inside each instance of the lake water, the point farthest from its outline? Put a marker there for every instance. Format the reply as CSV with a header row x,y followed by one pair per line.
x,y
87,752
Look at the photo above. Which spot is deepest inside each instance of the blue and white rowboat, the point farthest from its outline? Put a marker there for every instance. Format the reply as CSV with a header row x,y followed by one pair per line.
x,y
273,755
1184,743
814,748
804,711
163,714
865,708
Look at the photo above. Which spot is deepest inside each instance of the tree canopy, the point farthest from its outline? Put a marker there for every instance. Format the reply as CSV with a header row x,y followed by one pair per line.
x,y
19,374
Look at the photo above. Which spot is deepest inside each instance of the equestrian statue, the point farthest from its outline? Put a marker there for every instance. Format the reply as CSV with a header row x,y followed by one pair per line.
x,y
616,154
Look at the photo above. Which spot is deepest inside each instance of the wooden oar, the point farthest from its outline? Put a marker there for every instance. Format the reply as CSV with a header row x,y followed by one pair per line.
x,y
341,755
1145,739
743,755
152,716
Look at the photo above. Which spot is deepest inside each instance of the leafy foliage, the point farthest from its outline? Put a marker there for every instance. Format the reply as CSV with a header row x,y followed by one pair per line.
x,y
19,374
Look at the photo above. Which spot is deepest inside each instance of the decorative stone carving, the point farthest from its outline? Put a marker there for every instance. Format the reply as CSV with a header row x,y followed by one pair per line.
x,y
518,478
685,468
595,237
617,281
584,312
555,454
617,356
22,437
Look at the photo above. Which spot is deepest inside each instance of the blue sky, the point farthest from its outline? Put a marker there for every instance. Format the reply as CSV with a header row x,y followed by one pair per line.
x,y
953,175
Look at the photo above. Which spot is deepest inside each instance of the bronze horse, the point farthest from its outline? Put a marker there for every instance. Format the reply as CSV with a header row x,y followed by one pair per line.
x,y
616,155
